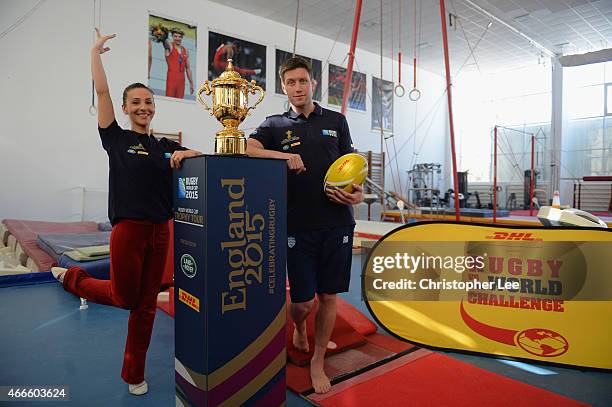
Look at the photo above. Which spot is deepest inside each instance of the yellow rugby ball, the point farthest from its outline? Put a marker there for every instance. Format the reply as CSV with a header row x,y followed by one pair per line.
x,y
347,170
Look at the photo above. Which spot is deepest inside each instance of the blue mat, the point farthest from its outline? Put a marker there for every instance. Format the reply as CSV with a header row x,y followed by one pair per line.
x,y
51,342
57,244
473,212
96,268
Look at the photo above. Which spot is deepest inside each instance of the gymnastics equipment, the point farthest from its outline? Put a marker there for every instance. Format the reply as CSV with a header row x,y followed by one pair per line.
x,y
529,180
550,216
555,216
423,181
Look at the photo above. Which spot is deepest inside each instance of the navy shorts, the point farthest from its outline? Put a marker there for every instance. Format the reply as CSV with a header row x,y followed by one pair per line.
x,y
319,261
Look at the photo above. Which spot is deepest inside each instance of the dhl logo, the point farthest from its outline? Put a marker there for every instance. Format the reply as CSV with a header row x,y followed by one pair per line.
x,y
343,164
188,299
513,236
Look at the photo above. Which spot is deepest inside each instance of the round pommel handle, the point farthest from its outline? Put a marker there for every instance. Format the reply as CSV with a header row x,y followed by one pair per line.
x,y
252,88
207,90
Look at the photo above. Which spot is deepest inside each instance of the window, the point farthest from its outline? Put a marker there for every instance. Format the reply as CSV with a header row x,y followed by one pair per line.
x,y
608,101
587,127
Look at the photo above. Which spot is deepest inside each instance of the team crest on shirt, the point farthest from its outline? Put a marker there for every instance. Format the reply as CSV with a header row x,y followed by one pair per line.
x,y
290,140
138,147
290,241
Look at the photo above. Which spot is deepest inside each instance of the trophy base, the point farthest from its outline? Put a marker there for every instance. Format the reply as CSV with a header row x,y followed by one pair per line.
x,y
230,143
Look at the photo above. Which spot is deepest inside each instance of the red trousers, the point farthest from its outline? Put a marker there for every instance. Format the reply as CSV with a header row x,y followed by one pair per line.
x,y
138,251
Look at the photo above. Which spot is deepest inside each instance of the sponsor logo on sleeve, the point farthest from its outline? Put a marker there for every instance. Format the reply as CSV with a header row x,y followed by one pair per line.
x,y
330,133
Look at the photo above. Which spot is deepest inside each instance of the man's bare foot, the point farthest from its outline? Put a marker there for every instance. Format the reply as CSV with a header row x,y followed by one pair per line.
x,y
300,338
320,381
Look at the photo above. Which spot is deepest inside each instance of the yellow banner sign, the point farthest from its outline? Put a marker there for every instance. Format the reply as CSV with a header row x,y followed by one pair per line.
x,y
536,293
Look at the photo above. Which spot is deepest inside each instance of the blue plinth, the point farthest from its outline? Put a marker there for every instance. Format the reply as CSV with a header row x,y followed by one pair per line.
x,y
229,271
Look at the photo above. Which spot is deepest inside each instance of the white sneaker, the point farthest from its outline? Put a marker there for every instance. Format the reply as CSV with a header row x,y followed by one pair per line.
x,y
138,389
58,273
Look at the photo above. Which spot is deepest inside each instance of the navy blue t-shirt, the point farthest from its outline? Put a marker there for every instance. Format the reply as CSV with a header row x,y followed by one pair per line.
x,y
140,177
319,140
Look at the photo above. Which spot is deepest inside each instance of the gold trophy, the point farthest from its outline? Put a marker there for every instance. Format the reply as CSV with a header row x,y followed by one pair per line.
x,y
230,106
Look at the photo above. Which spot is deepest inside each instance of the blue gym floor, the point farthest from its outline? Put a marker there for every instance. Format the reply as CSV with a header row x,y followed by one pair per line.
x,y
47,340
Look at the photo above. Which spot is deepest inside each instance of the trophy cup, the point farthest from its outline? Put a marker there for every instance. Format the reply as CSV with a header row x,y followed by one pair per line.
x,y
230,98
212,195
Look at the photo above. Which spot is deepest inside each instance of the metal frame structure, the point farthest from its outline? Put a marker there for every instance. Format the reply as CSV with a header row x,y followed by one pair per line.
x,y
531,186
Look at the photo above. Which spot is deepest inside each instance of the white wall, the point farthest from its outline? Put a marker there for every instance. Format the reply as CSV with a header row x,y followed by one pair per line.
x,y
48,140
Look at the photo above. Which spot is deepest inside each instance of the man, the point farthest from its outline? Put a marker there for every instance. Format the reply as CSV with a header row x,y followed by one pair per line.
x,y
320,224
177,59
227,51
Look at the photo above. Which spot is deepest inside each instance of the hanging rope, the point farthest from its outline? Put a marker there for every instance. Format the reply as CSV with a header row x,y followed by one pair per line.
x,y
431,112
414,149
324,92
509,153
381,76
297,16
392,41
392,136
415,93
93,110
472,49
22,19
399,88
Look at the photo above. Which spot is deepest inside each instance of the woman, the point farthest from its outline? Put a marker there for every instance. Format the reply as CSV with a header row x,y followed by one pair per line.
x,y
140,208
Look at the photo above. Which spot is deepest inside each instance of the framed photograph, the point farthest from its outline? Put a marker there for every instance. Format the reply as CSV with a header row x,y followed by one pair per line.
x,y
172,47
357,95
382,89
248,58
317,72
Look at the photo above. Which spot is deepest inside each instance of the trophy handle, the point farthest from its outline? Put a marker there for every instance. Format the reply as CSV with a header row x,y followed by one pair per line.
x,y
206,90
255,88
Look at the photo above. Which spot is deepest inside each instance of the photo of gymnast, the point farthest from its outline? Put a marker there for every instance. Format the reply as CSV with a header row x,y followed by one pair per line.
x,y
172,49
357,95
249,59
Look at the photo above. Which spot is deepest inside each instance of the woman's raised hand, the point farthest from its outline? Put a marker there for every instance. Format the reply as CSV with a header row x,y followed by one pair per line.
x,y
100,40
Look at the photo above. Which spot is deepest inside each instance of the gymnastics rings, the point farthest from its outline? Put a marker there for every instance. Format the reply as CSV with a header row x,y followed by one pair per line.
x,y
414,94
92,108
399,90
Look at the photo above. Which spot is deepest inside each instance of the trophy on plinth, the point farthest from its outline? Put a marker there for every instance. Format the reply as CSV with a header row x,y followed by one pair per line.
x,y
230,99
229,263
